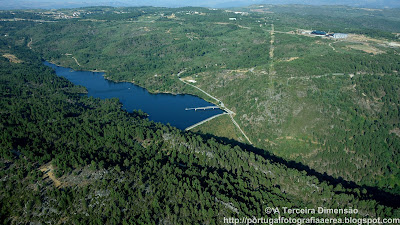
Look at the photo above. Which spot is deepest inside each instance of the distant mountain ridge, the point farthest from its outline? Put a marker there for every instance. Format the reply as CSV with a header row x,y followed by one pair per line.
x,y
55,4
361,3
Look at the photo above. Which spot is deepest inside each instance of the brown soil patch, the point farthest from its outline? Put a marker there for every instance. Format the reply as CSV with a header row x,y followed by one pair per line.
x,y
243,27
48,171
187,78
172,16
290,59
296,139
366,48
239,71
395,131
266,10
12,58
362,38
270,142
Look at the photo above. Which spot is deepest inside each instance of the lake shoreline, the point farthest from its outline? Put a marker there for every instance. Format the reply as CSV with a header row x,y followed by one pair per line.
x,y
150,90
160,106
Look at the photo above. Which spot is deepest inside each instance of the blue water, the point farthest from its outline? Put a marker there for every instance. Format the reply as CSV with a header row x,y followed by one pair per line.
x,y
164,108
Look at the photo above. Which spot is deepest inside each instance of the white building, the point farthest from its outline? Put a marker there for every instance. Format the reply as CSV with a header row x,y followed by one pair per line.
x,y
339,35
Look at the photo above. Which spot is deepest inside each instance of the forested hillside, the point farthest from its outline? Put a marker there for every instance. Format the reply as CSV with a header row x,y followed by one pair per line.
x,y
331,104
108,166
323,115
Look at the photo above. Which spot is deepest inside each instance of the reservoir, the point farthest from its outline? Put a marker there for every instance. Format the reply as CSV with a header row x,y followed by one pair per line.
x,y
164,108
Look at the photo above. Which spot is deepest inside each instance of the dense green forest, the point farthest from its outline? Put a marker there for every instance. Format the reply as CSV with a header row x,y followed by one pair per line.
x,y
323,115
117,167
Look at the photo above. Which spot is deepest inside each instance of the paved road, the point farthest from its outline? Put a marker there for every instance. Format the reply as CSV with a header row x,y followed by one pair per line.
x,y
204,121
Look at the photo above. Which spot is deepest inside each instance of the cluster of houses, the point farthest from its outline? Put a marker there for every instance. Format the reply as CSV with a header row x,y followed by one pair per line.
x,y
65,15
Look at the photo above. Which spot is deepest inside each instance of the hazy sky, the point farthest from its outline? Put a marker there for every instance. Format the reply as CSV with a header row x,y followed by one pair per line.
x,y
15,4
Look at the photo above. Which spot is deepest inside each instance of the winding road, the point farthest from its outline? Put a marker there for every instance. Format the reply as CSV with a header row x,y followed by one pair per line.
x,y
30,44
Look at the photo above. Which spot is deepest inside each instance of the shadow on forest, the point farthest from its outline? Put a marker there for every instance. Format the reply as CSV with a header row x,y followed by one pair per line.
x,y
374,193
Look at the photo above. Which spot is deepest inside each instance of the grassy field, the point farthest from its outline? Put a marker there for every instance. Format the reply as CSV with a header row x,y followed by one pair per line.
x,y
221,126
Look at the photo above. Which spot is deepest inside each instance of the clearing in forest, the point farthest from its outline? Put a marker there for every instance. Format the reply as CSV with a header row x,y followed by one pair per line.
x,y
48,171
12,58
366,48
